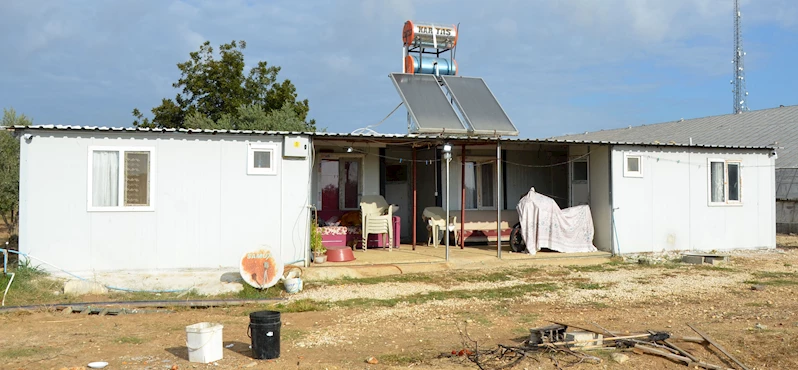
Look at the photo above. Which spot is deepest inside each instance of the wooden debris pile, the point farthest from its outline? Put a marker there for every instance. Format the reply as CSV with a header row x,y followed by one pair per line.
x,y
568,347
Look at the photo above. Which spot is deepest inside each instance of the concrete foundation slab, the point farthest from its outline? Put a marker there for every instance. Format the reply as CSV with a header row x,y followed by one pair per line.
x,y
693,260
82,287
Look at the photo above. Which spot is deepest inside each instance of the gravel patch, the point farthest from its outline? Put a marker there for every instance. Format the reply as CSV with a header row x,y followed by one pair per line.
x,y
393,290
636,285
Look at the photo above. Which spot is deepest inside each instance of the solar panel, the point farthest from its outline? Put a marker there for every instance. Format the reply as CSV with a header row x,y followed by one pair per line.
x,y
427,104
479,106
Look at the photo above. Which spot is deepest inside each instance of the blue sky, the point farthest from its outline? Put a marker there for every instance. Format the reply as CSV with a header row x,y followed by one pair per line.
x,y
556,66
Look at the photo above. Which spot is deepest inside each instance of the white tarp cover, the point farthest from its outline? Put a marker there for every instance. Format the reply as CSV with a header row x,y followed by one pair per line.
x,y
545,225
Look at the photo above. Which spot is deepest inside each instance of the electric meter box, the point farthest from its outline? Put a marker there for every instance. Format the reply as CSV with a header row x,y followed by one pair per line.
x,y
295,147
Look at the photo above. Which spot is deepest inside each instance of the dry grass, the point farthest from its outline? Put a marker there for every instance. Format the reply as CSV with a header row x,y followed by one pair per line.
x,y
3,232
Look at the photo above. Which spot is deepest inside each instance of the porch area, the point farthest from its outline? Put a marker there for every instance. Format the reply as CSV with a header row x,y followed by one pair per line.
x,y
405,260
481,184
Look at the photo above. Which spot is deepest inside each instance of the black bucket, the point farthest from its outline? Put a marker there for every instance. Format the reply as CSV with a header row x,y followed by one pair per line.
x,y
264,330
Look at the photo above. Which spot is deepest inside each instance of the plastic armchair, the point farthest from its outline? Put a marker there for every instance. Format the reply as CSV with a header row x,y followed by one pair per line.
x,y
434,217
376,218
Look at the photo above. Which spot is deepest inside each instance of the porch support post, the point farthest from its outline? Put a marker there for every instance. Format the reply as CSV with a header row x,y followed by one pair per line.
x,y
415,205
462,200
499,198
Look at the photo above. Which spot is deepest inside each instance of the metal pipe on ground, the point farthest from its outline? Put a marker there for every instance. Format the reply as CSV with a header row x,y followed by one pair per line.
x,y
158,304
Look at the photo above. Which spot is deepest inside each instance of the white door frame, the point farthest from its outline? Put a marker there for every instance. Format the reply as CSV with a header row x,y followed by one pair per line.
x,y
571,181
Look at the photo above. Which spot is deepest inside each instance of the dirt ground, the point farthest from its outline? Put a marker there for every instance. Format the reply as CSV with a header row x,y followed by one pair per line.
x,y
410,322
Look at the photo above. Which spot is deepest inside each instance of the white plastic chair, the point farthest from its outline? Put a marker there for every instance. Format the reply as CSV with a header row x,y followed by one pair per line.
x,y
434,217
376,218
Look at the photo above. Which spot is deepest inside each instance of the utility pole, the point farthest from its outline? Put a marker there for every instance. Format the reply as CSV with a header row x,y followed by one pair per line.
x,y
740,103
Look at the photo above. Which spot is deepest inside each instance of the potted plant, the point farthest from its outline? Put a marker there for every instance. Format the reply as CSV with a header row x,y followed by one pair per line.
x,y
319,252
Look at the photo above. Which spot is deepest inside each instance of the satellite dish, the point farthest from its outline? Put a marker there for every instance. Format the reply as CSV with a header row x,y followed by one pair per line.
x,y
261,268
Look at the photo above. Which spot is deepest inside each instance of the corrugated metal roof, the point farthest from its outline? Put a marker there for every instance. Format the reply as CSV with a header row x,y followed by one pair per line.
x,y
378,136
787,184
775,127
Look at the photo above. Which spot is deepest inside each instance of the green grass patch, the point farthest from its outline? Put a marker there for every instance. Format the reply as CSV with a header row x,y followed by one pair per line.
x,y
774,282
12,353
589,286
774,278
775,274
489,277
291,335
129,340
31,285
482,294
475,317
249,292
528,318
713,268
440,279
116,295
593,268
301,305
401,359
520,331
401,278
596,304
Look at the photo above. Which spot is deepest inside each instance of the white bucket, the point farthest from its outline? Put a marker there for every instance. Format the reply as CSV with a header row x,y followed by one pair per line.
x,y
204,342
293,285
292,281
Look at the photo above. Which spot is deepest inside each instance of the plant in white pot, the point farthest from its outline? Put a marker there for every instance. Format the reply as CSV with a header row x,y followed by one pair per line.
x,y
319,252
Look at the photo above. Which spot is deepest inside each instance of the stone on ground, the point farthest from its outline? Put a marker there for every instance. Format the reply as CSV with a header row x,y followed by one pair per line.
x,y
619,357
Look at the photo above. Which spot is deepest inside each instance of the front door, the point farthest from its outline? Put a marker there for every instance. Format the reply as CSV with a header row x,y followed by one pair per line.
x,y
397,191
580,182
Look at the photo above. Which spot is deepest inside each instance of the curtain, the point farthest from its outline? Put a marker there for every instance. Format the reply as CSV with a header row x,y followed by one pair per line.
x,y
487,172
718,195
734,182
328,182
105,179
470,185
351,179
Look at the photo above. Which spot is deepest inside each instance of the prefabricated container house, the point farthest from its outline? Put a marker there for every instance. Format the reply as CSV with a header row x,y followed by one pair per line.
x,y
103,199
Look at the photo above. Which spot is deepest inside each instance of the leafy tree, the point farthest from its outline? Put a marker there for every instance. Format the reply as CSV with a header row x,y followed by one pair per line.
x,y
250,117
216,93
9,169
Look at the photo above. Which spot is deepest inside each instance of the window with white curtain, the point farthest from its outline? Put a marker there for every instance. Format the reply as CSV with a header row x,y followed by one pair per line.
x,y
480,179
120,179
725,182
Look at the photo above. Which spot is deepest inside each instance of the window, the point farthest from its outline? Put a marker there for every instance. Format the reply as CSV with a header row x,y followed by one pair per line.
x,y
480,184
733,170
339,183
580,171
120,179
260,160
633,166
725,182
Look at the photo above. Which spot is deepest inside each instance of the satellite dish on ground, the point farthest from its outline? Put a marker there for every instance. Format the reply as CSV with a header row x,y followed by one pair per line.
x,y
261,268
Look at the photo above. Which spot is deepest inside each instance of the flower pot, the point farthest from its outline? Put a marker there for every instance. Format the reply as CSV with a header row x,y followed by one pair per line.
x,y
319,258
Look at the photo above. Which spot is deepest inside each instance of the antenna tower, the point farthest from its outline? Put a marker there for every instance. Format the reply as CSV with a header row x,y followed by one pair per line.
x,y
740,92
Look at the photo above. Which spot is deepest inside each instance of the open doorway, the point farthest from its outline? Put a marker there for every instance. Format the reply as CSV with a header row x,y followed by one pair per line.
x,y
398,191
580,182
